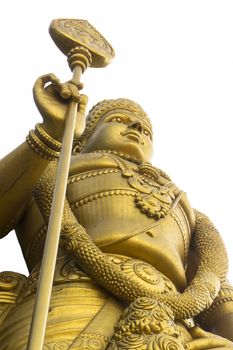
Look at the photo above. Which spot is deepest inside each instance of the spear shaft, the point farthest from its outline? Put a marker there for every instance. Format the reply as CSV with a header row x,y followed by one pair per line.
x,y
84,46
41,307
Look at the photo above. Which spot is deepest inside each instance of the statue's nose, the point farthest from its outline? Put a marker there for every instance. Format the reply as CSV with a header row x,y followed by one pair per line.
x,y
136,125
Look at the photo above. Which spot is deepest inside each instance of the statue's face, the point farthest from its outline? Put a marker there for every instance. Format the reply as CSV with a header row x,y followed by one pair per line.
x,y
122,131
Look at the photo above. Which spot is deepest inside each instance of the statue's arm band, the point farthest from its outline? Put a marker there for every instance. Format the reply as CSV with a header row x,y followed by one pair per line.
x,y
221,306
43,144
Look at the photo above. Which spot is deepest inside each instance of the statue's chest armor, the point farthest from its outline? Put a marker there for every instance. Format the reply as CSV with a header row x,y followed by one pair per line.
x,y
125,211
133,215
95,187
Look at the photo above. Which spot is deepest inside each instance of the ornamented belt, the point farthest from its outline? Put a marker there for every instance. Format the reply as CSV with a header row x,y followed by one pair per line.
x,y
67,271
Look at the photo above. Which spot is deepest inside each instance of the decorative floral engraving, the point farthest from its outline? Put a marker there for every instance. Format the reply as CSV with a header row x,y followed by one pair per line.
x,y
90,341
86,33
147,325
164,342
61,345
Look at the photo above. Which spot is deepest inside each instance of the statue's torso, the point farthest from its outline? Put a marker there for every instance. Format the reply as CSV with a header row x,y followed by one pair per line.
x,y
125,211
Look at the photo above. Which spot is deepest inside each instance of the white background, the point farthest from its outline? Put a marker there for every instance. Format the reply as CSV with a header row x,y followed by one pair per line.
x,y
175,58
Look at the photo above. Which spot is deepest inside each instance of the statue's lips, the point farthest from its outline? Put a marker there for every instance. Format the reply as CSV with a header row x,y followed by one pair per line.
x,y
132,135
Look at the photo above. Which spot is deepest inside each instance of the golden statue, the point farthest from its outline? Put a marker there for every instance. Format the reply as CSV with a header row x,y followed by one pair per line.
x,y
137,267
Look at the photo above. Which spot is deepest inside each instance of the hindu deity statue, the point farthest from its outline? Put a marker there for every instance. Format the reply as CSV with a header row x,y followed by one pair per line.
x,y
137,266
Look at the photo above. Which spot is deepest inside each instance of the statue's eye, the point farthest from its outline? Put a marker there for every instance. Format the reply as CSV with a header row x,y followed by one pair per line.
x,y
147,133
117,119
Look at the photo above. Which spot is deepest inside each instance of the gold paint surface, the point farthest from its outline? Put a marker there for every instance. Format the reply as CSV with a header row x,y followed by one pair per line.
x,y
137,267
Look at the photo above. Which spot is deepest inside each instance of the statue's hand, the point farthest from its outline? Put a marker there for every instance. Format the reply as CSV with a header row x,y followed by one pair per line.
x,y
52,98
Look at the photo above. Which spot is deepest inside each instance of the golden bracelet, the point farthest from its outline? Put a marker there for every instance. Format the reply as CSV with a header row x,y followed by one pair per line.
x,y
39,147
47,139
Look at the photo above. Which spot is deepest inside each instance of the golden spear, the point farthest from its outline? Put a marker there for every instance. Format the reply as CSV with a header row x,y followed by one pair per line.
x,y
84,46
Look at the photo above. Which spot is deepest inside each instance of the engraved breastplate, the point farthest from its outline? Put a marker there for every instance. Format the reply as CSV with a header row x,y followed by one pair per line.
x,y
152,198
134,212
126,209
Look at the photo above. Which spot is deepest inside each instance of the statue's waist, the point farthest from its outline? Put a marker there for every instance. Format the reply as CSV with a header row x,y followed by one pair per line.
x,y
68,271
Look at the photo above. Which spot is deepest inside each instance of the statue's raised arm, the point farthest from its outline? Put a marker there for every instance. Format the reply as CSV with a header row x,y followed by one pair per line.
x,y
21,169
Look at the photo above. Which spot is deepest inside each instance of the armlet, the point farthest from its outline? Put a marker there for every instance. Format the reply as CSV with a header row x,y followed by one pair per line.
x,y
221,306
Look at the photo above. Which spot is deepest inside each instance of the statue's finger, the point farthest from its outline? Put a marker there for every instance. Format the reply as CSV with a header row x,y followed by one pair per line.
x,y
65,91
43,80
75,95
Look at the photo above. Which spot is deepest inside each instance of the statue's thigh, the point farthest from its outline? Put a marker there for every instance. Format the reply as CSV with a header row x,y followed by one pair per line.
x,y
73,305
